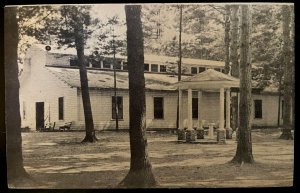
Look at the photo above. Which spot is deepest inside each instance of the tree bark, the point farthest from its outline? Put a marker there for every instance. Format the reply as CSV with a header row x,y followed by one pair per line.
x,y
234,21
227,38
244,146
288,73
140,174
15,167
88,116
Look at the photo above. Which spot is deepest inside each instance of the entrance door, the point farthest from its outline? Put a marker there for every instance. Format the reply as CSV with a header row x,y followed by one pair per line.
x,y
39,109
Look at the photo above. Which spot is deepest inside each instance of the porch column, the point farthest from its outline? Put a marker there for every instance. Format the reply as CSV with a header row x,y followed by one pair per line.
x,y
180,109
228,128
199,114
190,118
221,116
181,133
200,130
221,131
191,133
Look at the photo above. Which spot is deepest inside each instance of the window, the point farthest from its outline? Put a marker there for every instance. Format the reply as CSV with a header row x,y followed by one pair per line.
x,y
223,70
158,108
119,107
195,108
217,69
24,110
154,67
73,62
201,69
118,65
96,64
163,68
146,67
193,70
258,109
125,67
282,107
61,108
106,64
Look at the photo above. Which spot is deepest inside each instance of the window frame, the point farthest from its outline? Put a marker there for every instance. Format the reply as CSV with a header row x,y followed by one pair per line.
x,y
194,68
158,115
61,114
258,112
155,66
202,69
120,108
164,67
146,67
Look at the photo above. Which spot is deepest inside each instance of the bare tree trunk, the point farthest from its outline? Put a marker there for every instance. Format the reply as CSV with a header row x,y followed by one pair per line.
x,y
244,146
140,174
15,167
288,74
227,38
234,21
88,116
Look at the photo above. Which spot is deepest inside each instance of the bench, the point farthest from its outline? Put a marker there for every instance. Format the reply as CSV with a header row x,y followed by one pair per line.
x,y
66,126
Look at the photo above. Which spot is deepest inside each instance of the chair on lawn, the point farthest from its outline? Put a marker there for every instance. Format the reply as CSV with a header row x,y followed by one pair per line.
x,y
66,126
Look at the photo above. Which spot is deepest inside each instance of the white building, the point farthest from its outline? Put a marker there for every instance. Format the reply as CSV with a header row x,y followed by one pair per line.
x,y
50,92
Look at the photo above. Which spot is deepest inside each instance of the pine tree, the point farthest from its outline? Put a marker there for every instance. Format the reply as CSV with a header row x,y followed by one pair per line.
x,y
140,174
244,146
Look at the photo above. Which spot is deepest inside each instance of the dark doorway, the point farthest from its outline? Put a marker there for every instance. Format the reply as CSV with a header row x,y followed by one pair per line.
x,y
39,114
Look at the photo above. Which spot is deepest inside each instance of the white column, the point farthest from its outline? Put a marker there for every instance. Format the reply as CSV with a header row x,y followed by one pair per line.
x,y
221,117
228,108
199,108
180,109
101,64
122,65
190,118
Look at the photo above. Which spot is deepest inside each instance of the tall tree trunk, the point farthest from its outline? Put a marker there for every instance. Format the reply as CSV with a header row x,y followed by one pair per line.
x,y
140,174
227,38
88,116
293,63
15,167
244,146
234,22
288,73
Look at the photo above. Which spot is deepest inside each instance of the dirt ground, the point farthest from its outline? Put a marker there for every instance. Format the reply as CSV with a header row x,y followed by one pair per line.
x,y
58,160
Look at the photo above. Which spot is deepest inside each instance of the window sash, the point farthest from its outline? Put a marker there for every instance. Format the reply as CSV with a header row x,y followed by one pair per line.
x,y
154,68
61,108
119,107
195,108
258,109
158,107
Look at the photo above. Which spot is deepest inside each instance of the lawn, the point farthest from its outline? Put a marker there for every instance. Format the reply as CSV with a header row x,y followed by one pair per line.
x,y
59,160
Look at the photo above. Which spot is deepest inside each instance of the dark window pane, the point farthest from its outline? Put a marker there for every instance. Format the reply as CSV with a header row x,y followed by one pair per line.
x,y
201,69
217,69
163,68
118,65
154,68
106,64
125,67
73,62
258,109
195,108
158,108
193,70
96,64
61,108
119,109
146,67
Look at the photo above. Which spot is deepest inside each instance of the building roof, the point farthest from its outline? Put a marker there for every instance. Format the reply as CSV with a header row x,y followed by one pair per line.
x,y
209,79
104,79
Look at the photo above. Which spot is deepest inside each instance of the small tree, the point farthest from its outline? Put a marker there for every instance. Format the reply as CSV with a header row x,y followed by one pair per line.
x,y
140,173
244,146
